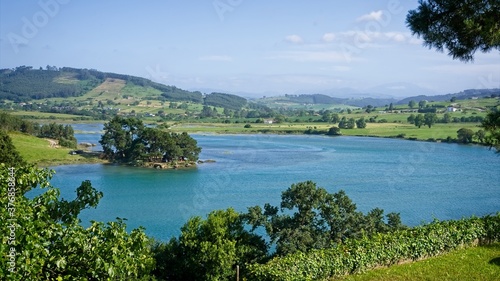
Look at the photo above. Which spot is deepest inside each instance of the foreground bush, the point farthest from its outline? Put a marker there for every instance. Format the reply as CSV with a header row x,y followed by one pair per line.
x,y
357,255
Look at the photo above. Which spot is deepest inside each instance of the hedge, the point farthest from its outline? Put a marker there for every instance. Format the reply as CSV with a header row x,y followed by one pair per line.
x,y
358,255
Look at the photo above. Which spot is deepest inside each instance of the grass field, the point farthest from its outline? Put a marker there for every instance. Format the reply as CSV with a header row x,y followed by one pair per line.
x,y
39,151
438,131
477,263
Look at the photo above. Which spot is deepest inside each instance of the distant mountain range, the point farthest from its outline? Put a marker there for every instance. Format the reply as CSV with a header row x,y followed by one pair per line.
x,y
25,83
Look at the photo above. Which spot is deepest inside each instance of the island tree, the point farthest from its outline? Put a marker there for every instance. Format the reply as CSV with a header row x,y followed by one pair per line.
x,y
127,140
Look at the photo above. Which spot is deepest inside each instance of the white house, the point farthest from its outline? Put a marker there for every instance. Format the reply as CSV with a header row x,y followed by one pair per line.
x,y
452,109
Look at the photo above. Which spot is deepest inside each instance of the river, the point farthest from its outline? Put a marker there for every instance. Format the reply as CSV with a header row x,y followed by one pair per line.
x,y
420,180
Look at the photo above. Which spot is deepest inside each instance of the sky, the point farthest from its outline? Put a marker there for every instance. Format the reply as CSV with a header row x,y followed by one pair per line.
x,y
251,48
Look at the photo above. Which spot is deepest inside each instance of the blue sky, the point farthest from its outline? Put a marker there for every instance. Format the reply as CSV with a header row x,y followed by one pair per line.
x,y
240,46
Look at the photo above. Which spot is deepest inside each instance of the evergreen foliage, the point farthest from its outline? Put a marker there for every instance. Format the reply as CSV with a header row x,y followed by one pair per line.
x,y
127,140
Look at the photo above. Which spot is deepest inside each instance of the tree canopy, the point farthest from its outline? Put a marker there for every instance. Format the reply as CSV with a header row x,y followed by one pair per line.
x,y
492,125
128,140
461,27
311,218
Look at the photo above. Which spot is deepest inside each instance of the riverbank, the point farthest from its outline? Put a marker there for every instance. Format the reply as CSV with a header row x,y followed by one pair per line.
x,y
44,153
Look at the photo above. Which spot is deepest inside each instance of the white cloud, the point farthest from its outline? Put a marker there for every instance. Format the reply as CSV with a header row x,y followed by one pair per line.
x,y
328,37
375,15
216,58
295,39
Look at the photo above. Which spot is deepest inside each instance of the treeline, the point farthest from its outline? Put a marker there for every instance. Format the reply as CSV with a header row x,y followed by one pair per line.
x,y
63,133
225,100
128,140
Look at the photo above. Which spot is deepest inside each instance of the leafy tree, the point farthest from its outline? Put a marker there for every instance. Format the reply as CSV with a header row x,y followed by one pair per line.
x,y
47,242
334,131
462,27
465,135
120,138
411,119
412,104
8,153
361,123
422,103
447,118
430,119
210,249
480,135
127,140
491,124
310,218
419,120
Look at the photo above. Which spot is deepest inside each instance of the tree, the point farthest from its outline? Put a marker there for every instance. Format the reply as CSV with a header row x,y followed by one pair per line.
x,y
430,119
391,107
8,153
361,123
491,124
465,135
311,218
447,117
127,140
334,131
48,242
412,104
210,249
411,119
422,103
462,27
419,120
480,135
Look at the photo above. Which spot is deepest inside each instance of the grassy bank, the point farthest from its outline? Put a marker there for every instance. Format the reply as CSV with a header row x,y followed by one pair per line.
x,y
477,263
40,151
438,131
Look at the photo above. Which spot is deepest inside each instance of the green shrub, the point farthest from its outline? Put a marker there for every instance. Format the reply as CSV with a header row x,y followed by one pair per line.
x,y
358,255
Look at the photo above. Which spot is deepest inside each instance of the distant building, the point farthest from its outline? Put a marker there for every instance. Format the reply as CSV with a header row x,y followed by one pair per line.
x,y
452,109
268,121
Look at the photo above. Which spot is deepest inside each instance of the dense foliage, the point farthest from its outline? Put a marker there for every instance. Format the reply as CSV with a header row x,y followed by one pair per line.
x,y
8,153
209,249
462,27
127,140
225,100
357,255
42,238
64,134
25,83
492,125
176,94
311,218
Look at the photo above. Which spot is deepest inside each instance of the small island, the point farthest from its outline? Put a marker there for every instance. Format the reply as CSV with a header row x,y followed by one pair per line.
x,y
128,141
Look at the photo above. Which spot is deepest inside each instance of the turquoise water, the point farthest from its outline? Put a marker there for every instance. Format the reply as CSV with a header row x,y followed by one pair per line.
x,y
420,180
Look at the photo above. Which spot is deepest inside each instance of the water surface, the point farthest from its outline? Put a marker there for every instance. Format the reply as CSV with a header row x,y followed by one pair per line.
x,y
420,180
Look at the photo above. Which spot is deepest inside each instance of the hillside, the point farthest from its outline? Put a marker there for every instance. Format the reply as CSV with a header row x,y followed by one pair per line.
x,y
98,95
